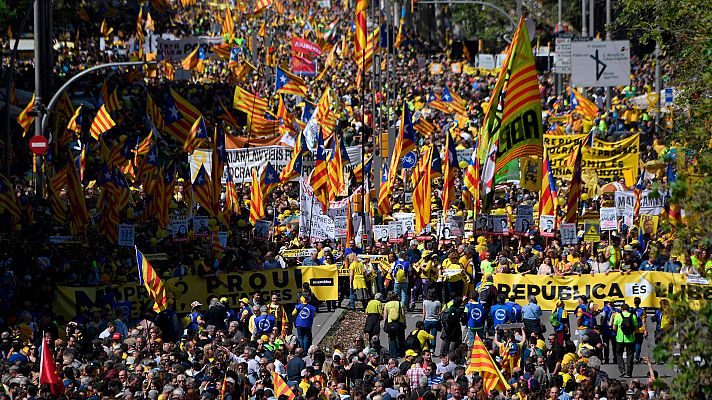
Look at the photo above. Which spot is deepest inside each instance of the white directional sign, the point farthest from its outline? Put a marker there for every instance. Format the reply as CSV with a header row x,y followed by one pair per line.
x,y
600,64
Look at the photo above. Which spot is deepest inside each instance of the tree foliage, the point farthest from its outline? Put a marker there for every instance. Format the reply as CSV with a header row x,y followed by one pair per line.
x,y
11,12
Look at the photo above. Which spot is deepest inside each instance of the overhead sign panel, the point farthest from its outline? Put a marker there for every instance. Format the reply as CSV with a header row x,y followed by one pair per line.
x,y
600,64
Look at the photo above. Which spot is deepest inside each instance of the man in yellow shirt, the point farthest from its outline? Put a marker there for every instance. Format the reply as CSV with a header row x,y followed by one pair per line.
x,y
452,273
423,336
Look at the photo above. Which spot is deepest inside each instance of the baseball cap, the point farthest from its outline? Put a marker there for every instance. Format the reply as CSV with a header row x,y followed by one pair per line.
x,y
195,304
244,300
410,353
116,336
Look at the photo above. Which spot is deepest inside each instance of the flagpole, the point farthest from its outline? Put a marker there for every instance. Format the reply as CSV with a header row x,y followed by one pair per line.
x,y
363,134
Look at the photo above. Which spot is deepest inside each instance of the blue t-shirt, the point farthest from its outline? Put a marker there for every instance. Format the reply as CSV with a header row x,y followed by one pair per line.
x,y
501,314
305,315
516,311
264,324
476,315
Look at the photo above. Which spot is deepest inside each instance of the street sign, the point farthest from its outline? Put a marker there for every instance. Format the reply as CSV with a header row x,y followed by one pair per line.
x,y
591,231
562,63
409,160
668,96
38,145
600,64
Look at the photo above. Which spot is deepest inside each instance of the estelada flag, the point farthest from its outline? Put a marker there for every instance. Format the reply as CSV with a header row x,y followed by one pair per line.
x,y
520,133
24,118
280,387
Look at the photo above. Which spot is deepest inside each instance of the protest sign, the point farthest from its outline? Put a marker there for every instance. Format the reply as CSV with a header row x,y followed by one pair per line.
x,y
126,235
608,219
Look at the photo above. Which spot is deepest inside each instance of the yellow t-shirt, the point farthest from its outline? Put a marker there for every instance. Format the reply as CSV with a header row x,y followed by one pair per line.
x,y
392,308
359,279
424,338
374,307
451,270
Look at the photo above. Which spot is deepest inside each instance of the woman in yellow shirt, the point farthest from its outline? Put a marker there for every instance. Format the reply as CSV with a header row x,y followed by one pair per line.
x,y
452,275
357,280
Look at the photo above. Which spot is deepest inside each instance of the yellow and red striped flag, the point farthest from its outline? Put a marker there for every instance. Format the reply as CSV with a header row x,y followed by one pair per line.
x,y
149,278
548,200
384,201
228,24
75,123
195,60
24,118
574,194
154,113
280,387
335,169
319,180
75,193
482,363
203,191
423,191
139,26
260,5
102,123
256,199
449,173
580,104
360,39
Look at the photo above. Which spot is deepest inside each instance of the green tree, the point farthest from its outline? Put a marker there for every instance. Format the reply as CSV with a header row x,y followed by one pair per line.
x,y
11,12
682,30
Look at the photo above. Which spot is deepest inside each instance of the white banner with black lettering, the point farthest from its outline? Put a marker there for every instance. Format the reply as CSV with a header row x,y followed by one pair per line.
x,y
242,161
313,223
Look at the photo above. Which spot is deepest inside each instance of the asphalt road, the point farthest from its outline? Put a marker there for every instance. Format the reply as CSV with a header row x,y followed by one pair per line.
x,y
323,322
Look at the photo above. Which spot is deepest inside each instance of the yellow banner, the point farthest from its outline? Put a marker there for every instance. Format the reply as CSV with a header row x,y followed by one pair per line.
x,y
608,159
649,286
285,282
323,280
530,173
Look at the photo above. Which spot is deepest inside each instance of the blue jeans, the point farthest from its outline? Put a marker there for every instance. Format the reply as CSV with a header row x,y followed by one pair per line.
x,y
432,328
304,337
401,290
352,299
639,338
471,335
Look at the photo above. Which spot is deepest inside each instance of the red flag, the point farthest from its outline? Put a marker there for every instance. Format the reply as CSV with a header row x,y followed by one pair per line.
x,y
48,370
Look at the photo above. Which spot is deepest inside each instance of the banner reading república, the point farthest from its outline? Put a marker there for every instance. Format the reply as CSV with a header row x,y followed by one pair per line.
x,y
649,286
182,291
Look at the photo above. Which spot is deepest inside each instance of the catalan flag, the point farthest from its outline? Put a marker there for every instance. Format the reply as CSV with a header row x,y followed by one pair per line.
x,y
288,83
280,387
249,103
582,105
454,101
231,200
575,187
81,162
269,180
111,101
219,160
216,247
228,24
335,169
8,199
203,191
360,37
150,279
226,116
24,118
424,127
139,25
261,5
548,200
294,166
105,30
472,176
75,123
363,168
520,131
482,363
319,180
384,202
65,109
400,36
164,194
180,116
102,123
423,191
449,174
405,142
195,60
436,103
256,199
154,113
198,133
75,193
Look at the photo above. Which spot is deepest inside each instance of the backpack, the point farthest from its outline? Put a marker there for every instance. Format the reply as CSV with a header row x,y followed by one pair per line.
x,y
554,319
412,342
627,325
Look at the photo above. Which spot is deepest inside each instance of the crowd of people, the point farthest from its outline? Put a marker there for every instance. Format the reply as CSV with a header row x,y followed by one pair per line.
x,y
231,350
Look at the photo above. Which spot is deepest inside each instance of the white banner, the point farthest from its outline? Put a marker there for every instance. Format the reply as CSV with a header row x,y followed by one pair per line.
x,y
175,49
623,199
652,203
126,235
628,215
312,222
608,219
242,161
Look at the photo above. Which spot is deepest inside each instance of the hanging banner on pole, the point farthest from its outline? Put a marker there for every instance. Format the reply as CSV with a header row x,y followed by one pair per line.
x,y
126,235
